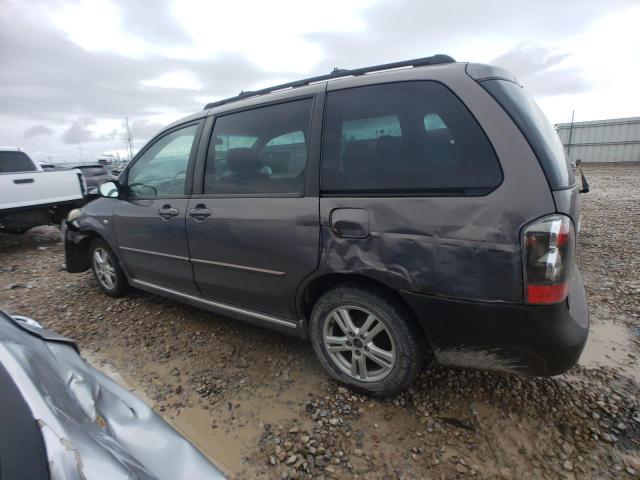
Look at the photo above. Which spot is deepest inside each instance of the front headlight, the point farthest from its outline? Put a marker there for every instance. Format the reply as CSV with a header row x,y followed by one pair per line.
x,y
74,214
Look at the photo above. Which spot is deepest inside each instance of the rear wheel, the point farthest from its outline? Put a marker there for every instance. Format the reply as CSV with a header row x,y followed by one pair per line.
x,y
366,339
106,269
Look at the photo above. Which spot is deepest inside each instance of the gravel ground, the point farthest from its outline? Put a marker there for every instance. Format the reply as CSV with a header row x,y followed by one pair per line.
x,y
259,405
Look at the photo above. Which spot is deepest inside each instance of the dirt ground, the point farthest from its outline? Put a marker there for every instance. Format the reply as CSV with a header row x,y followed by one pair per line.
x,y
259,405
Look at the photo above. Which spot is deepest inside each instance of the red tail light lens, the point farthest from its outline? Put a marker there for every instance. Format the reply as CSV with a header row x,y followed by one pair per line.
x,y
549,256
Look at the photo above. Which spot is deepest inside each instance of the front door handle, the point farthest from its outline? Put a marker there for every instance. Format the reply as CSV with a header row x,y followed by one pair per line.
x,y
167,211
200,212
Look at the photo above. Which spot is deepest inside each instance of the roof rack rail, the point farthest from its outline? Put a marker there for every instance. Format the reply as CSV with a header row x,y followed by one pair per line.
x,y
337,73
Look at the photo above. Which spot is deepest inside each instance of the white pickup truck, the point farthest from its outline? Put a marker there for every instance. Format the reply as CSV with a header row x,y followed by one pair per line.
x,y
30,196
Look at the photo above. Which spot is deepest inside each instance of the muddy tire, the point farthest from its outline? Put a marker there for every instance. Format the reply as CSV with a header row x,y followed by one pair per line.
x,y
106,269
367,340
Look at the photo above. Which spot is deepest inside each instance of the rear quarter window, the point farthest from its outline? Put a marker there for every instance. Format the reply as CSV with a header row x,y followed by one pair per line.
x,y
404,138
15,162
536,128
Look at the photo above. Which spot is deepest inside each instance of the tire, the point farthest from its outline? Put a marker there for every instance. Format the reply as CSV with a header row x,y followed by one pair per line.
x,y
392,357
109,277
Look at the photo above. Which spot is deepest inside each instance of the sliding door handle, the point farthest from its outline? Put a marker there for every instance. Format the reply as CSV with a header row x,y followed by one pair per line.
x,y
200,212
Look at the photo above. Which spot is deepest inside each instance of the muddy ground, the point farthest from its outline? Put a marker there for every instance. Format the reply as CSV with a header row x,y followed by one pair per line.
x,y
259,405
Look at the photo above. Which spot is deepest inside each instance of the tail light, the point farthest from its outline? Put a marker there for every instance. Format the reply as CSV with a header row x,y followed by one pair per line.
x,y
549,257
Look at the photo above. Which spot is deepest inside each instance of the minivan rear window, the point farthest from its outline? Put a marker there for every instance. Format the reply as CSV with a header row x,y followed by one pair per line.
x,y
404,138
535,127
15,162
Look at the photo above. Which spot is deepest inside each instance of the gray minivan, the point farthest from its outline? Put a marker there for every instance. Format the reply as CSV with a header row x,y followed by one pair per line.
x,y
391,214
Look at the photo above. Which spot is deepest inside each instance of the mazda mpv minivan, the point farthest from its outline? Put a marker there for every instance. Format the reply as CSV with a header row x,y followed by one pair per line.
x,y
390,214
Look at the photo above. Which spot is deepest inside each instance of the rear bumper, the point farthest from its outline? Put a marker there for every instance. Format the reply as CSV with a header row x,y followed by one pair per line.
x,y
533,340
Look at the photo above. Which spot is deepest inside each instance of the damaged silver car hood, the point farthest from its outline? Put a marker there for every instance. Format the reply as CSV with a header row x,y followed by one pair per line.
x,y
92,427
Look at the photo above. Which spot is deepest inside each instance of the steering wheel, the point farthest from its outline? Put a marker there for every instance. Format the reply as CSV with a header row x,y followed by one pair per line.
x,y
174,180
144,186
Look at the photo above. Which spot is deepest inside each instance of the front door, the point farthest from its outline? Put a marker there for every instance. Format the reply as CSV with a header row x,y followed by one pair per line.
x,y
150,217
253,233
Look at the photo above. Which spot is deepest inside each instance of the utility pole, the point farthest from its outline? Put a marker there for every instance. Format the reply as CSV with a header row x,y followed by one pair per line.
x,y
129,139
573,112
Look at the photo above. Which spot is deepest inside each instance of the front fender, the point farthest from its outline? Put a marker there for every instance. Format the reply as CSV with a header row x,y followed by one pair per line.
x,y
94,221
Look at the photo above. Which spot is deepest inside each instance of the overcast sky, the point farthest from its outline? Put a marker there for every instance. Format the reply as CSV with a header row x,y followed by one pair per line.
x,y
72,70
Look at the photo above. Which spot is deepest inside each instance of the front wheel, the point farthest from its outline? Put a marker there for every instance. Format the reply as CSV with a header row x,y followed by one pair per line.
x,y
367,339
106,269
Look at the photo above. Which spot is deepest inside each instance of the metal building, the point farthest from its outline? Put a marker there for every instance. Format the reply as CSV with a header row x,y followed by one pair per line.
x,y
614,140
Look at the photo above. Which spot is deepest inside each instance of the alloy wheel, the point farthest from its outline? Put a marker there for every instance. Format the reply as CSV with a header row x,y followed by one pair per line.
x,y
359,343
105,271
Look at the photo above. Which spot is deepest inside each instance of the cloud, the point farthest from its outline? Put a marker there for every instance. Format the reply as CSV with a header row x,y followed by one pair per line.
x,y
542,70
529,59
176,61
152,20
174,80
144,130
79,132
36,130
114,134
53,78
467,30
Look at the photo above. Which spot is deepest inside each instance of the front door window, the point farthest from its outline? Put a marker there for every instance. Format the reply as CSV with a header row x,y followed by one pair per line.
x,y
161,171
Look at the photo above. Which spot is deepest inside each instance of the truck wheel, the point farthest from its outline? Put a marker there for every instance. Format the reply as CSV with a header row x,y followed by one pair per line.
x,y
106,269
367,340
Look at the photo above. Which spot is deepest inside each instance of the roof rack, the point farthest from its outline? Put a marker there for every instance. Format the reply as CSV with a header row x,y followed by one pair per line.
x,y
337,73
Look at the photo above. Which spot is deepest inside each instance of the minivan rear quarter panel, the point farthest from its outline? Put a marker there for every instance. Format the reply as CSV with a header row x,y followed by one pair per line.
x,y
464,247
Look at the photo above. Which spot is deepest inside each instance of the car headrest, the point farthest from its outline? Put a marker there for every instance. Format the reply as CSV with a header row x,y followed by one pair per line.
x,y
357,158
388,148
243,160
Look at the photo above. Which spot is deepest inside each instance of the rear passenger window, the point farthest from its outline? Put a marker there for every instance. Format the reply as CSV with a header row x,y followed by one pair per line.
x,y
259,151
14,162
404,138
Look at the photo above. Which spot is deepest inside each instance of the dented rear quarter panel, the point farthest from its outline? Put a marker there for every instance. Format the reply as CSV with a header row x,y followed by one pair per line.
x,y
464,247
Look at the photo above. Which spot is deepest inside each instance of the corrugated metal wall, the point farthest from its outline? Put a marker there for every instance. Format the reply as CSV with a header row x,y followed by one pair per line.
x,y
615,140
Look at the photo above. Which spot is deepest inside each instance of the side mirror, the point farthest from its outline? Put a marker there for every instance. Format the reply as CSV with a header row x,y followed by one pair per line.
x,y
109,190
